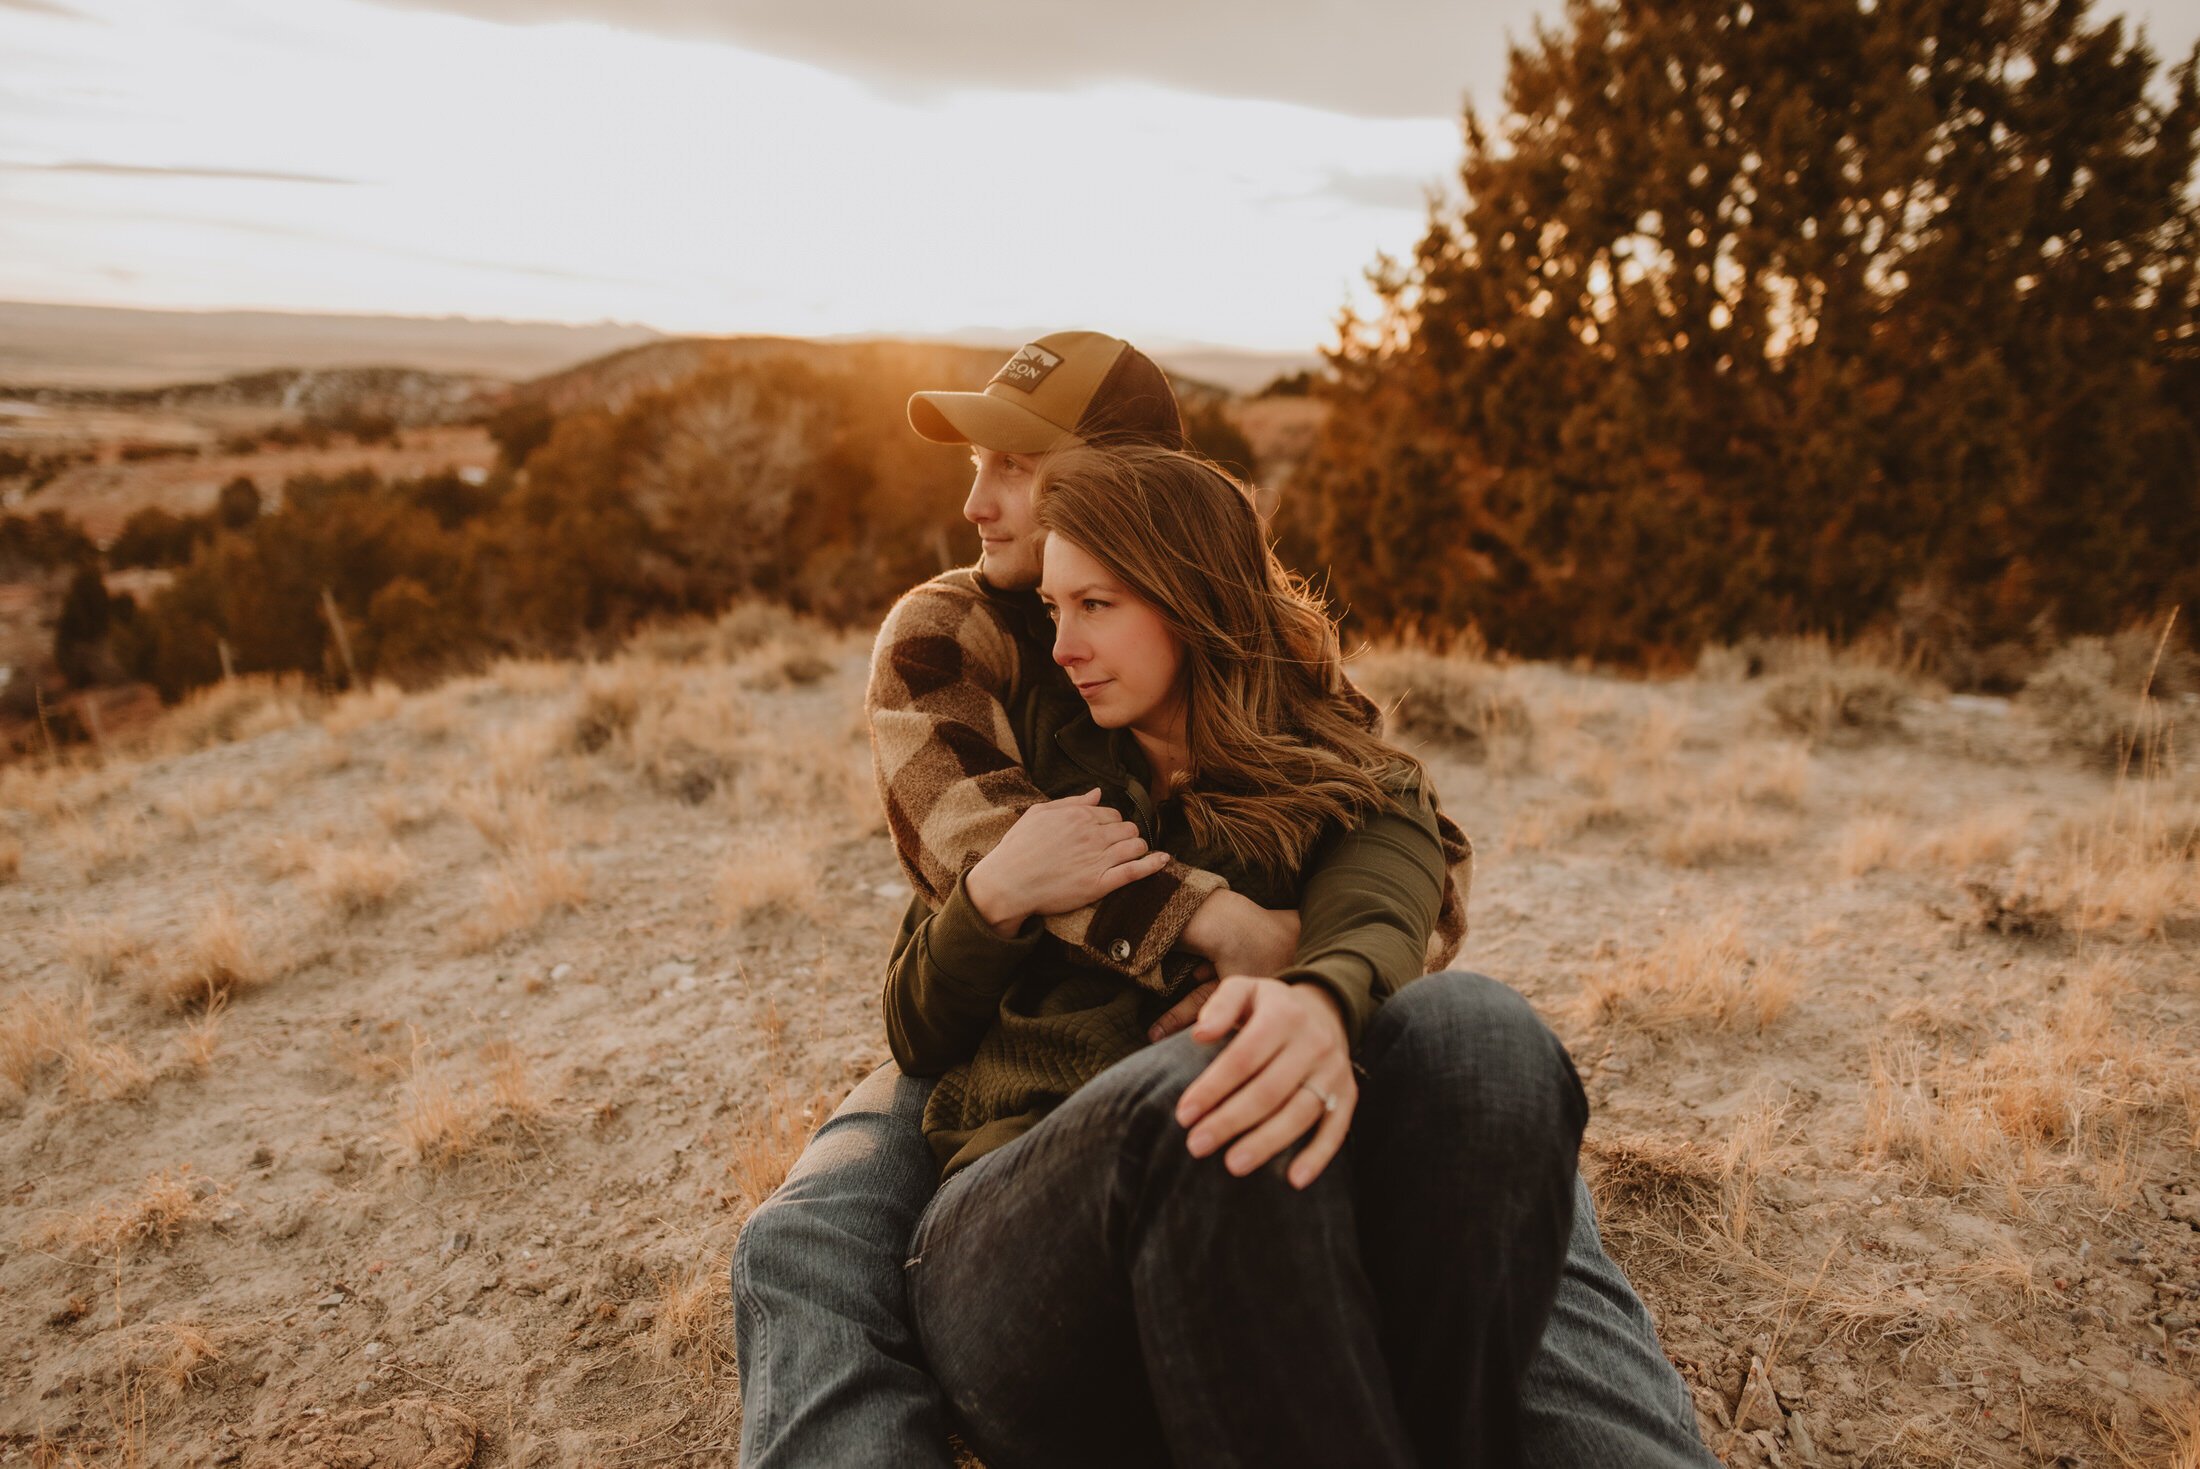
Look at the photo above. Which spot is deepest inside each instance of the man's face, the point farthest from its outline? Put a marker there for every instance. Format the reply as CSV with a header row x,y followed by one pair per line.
x,y
1000,507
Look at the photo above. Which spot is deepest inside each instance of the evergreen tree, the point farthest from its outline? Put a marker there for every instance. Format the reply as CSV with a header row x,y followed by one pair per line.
x,y
81,628
239,503
1758,317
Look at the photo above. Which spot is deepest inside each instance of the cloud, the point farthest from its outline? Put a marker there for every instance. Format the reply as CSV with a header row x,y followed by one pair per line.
x,y
342,242
1409,58
141,170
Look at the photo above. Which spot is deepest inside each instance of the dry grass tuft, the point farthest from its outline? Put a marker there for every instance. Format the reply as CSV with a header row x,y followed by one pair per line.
x,y
181,1358
202,1034
1748,1147
99,951
282,854
2066,1081
93,849
203,801
1838,701
746,627
440,1123
169,1202
1867,844
46,792
43,1032
759,879
1454,700
1698,974
531,675
2169,1440
768,1138
33,1035
1722,832
1768,772
517,756
1655,736
234,709
2102,712
350,881
33,789
1912,1114
691,1330
513,821
527,887
362,707
2136,863
611,700
1978,838
324,755
691,746
1900,1315
1540,827
219,961
398,812
437,716
1637,1179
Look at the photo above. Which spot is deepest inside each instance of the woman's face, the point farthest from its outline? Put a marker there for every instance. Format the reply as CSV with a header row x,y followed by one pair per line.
x,y
1119,652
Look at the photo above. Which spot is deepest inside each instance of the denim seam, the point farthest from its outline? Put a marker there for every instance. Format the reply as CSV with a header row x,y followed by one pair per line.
x,y
760,1331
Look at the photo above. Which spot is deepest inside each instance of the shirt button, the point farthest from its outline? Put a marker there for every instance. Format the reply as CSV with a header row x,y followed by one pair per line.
x,y
1120,950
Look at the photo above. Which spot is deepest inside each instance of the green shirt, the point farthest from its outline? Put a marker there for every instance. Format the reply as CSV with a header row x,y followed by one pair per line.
x,y
1013,1026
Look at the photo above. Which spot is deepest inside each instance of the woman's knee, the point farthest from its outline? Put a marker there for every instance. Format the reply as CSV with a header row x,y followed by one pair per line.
x,y
1479,1042
1460,1011
1149,1082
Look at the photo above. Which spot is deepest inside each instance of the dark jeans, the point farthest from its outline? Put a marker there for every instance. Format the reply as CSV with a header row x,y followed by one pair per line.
x,y
1093,1294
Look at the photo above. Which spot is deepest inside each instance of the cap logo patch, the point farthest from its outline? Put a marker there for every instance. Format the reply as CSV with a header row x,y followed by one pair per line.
x,y
1028,368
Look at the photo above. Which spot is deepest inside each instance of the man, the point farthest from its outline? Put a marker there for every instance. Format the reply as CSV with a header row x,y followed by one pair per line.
x,y
830,1366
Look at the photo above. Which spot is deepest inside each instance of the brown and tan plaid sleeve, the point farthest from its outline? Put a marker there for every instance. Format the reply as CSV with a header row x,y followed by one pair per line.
x,y
953,781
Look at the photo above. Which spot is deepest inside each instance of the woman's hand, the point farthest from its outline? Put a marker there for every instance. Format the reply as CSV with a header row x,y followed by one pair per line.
x,y
1059,856
1237,936
1286,1072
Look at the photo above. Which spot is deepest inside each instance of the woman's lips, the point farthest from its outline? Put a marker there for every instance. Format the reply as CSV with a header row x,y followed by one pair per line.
x,y
1089,689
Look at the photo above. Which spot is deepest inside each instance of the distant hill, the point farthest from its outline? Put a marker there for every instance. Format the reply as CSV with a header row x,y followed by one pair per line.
x,y
1235,369
114,347
616,379
405,395
613,381
121,348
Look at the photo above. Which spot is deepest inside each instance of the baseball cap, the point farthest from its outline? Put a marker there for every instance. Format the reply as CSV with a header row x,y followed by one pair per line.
x,y
1063,389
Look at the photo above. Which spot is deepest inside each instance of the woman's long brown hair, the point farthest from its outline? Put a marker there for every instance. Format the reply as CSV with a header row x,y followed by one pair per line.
x,y
1279,744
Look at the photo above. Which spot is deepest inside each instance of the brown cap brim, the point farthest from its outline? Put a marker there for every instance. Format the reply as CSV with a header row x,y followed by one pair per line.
x,y
989,422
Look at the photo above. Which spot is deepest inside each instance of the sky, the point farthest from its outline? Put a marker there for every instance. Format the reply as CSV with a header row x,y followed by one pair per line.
x,y
1170,170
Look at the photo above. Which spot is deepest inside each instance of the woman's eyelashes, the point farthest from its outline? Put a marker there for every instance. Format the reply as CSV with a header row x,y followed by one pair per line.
x,y
1088,605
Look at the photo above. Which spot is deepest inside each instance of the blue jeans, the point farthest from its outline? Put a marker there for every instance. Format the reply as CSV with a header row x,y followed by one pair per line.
x,y
832,1371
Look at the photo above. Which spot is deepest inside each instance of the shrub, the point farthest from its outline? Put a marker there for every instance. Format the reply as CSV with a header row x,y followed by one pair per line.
x,y
1839,702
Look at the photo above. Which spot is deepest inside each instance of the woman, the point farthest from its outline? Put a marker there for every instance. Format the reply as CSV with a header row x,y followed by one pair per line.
x,y
1218,1253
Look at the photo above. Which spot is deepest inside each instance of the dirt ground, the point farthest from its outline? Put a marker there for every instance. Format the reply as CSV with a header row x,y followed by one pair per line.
x,y
395,1074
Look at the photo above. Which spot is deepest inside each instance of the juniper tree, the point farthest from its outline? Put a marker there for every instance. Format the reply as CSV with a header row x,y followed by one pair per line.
x,y
1762,316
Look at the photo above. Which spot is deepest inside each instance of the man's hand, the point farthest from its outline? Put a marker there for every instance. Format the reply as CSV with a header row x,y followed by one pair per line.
x,y
1238,936
1186,1010
1286,1072
1059,856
